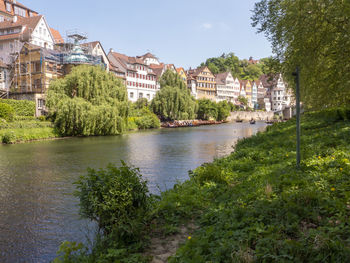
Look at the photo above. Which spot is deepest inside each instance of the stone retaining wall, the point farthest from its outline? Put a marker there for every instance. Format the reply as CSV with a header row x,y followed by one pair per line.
x,y
248,115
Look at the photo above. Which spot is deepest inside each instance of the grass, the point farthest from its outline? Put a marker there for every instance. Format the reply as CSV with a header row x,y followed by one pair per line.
x,y
26,130
255,206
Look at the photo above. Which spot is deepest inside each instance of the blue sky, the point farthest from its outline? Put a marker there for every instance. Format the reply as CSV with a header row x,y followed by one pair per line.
x,y
182,32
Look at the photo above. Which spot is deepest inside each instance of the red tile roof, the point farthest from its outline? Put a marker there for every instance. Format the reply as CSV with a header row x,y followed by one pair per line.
x,y
12,13
25,24
57,36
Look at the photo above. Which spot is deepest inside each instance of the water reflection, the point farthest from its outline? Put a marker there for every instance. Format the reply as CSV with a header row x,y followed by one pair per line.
x,y
37,208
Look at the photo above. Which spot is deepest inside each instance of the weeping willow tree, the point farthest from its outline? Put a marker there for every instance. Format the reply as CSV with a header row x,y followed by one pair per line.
x,y
314,35
174,100
88,101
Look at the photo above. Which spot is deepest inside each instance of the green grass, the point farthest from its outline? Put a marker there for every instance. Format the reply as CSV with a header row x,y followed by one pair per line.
x,y
262,209
26,130
254,205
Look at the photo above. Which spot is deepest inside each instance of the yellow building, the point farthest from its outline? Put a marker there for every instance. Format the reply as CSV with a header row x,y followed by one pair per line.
x,y
181,72
204,81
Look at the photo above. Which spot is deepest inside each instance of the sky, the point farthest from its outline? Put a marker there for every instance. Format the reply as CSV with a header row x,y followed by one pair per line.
x,y
182,32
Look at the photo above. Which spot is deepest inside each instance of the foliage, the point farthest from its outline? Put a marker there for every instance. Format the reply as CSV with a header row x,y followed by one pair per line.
x,y
21,107
314,36
172,79
254,205
6,112
243,100
88,101
112,198
25,125
207,109
174,100
224,110
141,103
15,135
142,118
242,69
270,211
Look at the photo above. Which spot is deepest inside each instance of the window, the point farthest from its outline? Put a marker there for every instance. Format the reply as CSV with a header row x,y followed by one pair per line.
x,y
41,103
8,7
131,95
148,96
2,19
140,95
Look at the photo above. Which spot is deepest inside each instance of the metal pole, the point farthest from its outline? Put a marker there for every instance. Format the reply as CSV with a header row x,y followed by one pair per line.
x,y
297,82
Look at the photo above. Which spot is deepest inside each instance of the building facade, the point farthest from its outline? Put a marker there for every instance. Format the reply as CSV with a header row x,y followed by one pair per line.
x,y
225,90
11,8
14,34
204,81
255,104
140,78
181,72
278,92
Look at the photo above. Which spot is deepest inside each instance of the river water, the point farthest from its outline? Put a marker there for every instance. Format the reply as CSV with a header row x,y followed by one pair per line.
x,y
37,208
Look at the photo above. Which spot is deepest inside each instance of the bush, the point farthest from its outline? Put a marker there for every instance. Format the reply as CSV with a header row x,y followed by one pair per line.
x,y
21,107
147,122
6,112
114,198
8,137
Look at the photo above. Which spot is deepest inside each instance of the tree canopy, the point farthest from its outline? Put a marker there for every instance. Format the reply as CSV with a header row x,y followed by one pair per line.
x,y
314,35
241,69
174,100
88,101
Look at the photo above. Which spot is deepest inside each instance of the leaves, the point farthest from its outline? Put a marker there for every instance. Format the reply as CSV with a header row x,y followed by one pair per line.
x,y
314,35
88,101
174,100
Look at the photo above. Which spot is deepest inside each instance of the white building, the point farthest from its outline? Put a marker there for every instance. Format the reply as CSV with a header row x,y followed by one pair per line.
x,y
13,34
149,59
140,78
255,95
278,92
225,87
4,80
95,48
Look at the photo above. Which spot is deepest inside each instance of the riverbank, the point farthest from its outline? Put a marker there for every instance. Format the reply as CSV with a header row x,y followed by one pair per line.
x,y
189,123
254,205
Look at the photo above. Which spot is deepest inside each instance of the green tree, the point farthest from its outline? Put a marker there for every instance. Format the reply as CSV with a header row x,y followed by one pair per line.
x,y
174,100
88,101
313,35
243,100
207,109
224,110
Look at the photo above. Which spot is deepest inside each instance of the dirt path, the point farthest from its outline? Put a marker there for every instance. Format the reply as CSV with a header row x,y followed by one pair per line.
x,y
161,248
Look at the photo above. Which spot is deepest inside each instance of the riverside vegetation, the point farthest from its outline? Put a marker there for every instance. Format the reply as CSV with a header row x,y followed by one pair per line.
x,y
92,102
266,212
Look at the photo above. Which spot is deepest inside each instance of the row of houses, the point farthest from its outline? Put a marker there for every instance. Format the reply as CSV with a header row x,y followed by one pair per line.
x,y
32,54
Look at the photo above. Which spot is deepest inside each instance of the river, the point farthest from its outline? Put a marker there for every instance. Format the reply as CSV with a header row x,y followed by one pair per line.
x,y
37,208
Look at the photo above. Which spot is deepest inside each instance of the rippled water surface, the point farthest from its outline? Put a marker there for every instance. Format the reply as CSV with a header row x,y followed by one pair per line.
x,y
37,208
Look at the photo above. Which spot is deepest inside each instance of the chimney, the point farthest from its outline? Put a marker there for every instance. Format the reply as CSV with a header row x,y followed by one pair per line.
x,y
15,18
111,50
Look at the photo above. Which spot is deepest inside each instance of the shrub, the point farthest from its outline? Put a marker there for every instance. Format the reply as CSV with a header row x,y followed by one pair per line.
x,y
147,122
114,198
6,112
21,107
8,137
